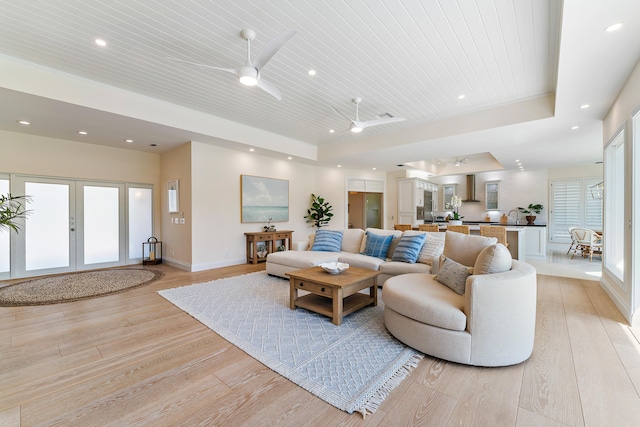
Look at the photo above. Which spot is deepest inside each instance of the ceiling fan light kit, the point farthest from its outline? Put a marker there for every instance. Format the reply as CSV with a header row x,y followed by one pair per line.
x,y
249,74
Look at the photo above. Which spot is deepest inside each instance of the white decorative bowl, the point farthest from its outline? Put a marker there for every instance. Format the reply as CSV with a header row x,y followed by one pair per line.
x,y
334,267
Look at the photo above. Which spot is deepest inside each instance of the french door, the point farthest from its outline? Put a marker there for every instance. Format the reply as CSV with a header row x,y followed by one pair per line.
x,y
73,225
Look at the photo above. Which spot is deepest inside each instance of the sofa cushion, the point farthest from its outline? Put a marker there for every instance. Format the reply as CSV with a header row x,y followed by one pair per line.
x,y
432,248
453,275
327,241
377,245
352,239
381,232
395,268
302,259
420,297
493,259
465,248
362,261
408,248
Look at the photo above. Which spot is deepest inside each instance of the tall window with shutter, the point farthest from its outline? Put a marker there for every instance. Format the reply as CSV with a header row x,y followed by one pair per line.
x,y
573,204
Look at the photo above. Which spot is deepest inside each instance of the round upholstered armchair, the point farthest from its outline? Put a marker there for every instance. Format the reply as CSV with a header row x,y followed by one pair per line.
x,y
487,318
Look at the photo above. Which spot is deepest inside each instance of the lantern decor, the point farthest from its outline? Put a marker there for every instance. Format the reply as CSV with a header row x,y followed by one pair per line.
x,y
152,251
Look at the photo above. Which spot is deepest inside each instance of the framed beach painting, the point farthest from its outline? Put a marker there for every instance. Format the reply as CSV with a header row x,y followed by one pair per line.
x,y
264,199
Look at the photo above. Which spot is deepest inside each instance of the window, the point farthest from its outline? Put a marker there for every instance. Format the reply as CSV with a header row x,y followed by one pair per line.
x,y
614,228
574,204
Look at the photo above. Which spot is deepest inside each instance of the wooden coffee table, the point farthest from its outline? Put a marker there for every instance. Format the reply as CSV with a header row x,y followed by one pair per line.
x,y
333,295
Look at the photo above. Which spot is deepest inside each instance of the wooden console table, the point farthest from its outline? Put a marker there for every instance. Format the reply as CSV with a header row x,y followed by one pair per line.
x,y
269,238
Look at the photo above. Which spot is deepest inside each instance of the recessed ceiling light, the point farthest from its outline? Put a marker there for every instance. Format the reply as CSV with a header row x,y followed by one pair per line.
x,y
613,27
252,149
100,42
331,130
339,166
583,106
289,158
312,72
373,168
461,96
130,141
24,122
574,127
82,132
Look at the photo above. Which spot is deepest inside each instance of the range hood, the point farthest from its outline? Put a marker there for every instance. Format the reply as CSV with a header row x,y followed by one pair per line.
x,y
471,189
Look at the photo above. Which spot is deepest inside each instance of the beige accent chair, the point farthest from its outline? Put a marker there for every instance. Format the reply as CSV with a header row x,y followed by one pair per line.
x,y
497,231
464,229
402,227
491,324
428,227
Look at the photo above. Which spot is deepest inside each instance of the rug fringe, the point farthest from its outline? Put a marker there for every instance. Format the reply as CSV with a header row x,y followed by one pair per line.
x,y
371,405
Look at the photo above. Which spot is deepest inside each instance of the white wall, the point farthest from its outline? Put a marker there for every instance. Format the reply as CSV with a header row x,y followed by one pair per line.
x,y
50,157
218,234
626,295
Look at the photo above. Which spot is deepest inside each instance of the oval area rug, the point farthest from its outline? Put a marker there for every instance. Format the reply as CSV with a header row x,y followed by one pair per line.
x,y
76,286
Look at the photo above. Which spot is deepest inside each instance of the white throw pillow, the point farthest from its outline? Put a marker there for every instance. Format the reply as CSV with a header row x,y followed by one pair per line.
x,y
493,259
433,247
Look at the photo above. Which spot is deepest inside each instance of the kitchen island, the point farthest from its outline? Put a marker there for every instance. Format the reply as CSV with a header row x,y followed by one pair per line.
x,y
523,239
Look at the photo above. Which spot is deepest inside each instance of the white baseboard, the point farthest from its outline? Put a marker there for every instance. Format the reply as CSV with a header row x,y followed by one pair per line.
x,y
621,304
218,264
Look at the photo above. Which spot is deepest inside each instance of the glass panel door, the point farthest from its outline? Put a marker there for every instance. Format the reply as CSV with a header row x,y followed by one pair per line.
x,y
140,220
47,243
100,228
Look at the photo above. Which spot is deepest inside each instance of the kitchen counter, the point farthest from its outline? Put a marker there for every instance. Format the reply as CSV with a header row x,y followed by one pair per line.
x,y
509,224
515,235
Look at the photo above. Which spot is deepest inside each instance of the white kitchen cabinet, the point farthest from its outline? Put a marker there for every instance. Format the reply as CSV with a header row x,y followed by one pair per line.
x,y
536,242
491,195
416,200
448,191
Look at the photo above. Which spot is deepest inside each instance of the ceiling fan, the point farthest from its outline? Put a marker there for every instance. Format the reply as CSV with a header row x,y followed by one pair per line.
x,y
358,126
459,162
250,73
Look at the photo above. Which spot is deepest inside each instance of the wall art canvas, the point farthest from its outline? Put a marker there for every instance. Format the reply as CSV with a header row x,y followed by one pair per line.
x,y
264,199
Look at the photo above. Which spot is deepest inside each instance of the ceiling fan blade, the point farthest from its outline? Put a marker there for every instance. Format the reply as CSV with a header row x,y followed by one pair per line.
x,y
340,113
229,70
381,121
270,89
271,48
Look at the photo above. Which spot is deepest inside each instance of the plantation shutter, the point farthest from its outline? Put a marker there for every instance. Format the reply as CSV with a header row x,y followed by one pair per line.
x,y
593,207
572,205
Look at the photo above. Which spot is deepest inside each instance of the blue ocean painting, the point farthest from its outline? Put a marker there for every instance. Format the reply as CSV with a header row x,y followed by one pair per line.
x,y
264,199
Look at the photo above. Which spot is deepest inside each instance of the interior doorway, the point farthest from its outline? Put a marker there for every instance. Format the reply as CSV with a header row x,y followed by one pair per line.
x,y
365,210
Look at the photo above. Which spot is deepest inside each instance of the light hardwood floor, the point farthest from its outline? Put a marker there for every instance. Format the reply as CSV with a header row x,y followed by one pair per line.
x,y
135,359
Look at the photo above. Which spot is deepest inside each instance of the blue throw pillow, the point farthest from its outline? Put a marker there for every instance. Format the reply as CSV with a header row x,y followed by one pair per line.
x,y
408,248
377,245
327,241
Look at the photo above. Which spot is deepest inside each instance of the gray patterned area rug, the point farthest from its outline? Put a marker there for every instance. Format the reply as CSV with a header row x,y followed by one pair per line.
x,y
75,286
353,366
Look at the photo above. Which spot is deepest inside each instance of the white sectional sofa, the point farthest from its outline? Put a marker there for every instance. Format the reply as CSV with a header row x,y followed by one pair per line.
x,y
467,301
352,245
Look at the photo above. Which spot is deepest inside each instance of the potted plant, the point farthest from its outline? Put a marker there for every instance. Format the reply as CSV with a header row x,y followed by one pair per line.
x,y
454,204
320,211
12,208
532,208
